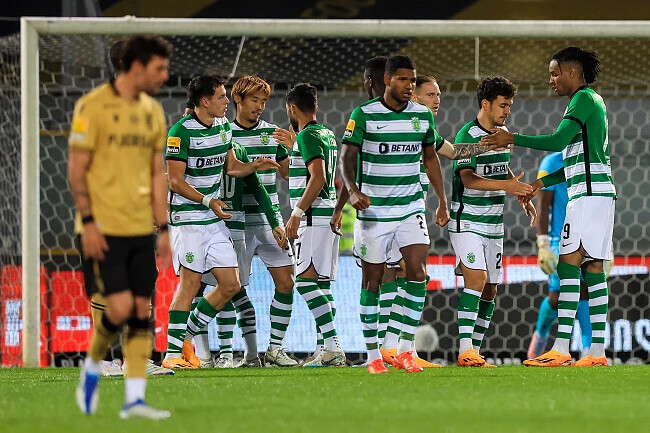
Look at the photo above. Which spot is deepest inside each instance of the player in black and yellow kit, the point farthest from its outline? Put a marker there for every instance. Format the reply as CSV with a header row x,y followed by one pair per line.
x,y
117,178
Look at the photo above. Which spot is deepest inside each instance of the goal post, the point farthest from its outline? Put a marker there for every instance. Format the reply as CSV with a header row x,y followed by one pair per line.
x,y
472,33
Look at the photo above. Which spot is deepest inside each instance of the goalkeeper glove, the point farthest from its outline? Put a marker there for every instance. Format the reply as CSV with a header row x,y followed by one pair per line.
x,y
546,258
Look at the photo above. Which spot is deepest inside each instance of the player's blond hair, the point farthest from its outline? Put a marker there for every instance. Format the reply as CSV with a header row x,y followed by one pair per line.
x,y
249,84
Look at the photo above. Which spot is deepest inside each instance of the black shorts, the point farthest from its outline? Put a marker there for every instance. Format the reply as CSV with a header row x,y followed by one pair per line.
x,y
130,264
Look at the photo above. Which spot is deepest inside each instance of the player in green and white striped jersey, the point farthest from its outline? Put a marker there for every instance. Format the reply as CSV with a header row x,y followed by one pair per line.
x,y
389,135
199,150
313,196
250,94
480,185
589,223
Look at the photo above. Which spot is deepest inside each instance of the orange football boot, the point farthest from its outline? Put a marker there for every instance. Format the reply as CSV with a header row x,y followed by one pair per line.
x,y
552,358
424,363
189,355
176,363
407,361
390,357
377,367
590,361
471,358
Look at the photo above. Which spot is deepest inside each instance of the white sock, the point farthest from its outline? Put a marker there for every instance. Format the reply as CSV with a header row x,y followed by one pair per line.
x,y
134,389
373,354
202,346
562,345
250,341
404,346
597,350
92,367
464,344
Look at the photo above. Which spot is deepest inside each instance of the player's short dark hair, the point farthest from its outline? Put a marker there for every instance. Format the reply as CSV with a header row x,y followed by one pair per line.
x,y
375,67
589,61
202,86
421,79
142,48
115,54
304,96
493,87
398,62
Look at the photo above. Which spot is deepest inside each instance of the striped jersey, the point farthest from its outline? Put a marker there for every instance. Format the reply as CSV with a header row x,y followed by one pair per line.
x,y
259,142
390,156
232,194
204,148
586,158
475,211
315,141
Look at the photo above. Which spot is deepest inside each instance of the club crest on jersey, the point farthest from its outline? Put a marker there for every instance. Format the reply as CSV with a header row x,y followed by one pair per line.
x,y
224,136
471,258
364,249
415,122
264,136
189,257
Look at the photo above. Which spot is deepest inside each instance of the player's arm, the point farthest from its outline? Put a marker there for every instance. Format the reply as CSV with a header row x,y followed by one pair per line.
x,y
83,139
461,150
236,168
254,183
434,173
352,142
159,201
317,179
337,216
282,157
511,186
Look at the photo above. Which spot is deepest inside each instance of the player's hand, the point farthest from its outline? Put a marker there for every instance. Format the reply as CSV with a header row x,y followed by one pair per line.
x,y
442,215
537,187
265,164
530,211
514,187
217,207
93,242
285,137
281,237
498,139
335,222
546,258
292,227
359,200
164,249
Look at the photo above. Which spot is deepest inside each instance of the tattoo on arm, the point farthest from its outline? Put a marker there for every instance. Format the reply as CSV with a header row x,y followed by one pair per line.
x,y
464,151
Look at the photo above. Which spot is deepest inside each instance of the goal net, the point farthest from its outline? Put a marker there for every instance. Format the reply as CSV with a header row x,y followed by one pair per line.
x,y
72,58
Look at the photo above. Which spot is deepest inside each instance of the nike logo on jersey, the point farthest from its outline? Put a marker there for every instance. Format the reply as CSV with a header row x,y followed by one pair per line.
x,y
566,245
381,127
198,143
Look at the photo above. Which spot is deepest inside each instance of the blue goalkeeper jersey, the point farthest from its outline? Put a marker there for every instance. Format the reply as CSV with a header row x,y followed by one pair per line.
x,y
551,163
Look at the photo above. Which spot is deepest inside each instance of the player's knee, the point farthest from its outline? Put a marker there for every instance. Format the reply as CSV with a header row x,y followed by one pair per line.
x,y
285,284
229,289
138,323
119,314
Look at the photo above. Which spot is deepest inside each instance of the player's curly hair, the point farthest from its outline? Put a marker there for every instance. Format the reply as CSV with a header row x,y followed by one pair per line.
x,y
115,54
493,87
304,96
202,86
398,62
249,84
589,61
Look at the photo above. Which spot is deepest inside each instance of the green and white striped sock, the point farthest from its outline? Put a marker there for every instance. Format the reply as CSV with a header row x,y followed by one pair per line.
x,y
387,295
369,314
598,303
176,332
413,303
246,322
396,318
200,317
320,308
485,311
467,313
567,305
226,321
281,307
200,340
326,288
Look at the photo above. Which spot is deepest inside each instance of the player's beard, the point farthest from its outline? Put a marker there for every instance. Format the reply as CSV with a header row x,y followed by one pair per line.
x,y
294,124
397,96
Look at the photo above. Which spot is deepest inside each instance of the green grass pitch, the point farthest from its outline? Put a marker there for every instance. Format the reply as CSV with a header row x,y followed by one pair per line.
x,y
504,399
